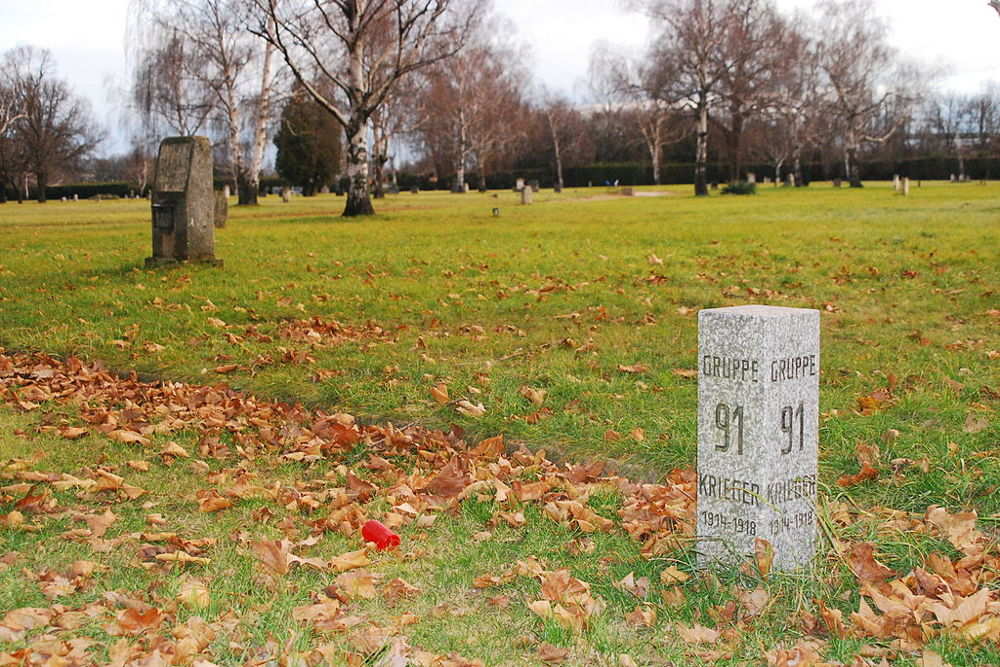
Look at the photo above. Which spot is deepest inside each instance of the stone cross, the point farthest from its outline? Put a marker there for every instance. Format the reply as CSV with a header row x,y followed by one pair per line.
x,y
183,202
758,421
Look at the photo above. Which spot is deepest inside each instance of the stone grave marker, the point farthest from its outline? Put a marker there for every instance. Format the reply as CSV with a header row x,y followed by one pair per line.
x,y
519,185
225,190
221,208
751,177
758,420
896,184
76,197
286,195
526,195
906,186
183,203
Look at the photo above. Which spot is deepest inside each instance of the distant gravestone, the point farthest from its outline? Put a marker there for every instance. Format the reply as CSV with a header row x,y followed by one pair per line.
x,y
225,191
286,195
183,203
519,185
751,177
527,195
76,197
896,183
758,418
906,186
790,180
953,178
325,190
221,208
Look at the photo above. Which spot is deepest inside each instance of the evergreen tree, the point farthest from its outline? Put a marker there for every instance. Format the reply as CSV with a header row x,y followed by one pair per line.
x,y
308,143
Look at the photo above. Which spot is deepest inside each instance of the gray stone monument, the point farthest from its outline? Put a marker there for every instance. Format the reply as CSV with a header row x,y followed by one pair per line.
x,y
758,421
751,177
183,203
896,183
527,194
519,184
906,186
286,195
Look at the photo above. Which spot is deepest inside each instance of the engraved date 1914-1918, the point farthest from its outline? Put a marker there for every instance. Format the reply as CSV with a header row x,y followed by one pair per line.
x,y
796,521
732,523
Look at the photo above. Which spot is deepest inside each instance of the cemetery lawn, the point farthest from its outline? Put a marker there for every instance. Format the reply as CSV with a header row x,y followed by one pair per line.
x,y
188,521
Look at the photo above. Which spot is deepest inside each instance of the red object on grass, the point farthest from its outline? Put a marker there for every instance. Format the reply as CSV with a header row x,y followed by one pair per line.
x,y
375,531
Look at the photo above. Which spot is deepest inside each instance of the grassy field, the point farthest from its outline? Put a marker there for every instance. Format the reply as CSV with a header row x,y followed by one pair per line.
x,y
567,326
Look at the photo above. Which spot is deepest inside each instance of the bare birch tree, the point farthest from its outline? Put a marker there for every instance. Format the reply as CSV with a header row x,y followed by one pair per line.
x,y
328,41
231,76
692,33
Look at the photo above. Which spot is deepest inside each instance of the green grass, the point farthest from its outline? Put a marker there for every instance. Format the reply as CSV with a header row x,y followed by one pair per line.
x,y
554,296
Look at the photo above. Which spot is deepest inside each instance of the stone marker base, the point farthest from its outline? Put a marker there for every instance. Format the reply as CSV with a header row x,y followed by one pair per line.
x,y
158,262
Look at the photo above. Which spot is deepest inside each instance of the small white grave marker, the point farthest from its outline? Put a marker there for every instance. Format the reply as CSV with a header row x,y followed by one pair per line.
x,y
758,420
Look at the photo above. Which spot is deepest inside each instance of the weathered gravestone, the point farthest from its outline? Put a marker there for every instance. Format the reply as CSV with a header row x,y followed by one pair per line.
x,y
758,419
518,185
751,177
183,202
906,186
286,195
896,183
221,208
526,195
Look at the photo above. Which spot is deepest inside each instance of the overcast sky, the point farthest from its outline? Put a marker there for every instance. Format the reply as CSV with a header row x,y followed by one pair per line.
x,y
87,39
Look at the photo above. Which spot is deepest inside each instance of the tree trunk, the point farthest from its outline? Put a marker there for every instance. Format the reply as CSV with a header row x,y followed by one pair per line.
x,y
797,166
777,170
252,177
42,185
851,165
459,185
559,169
358,201
246,189
701,152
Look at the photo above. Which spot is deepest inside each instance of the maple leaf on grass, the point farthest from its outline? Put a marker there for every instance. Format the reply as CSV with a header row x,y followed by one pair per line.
x,y
864,566
358,584
697,634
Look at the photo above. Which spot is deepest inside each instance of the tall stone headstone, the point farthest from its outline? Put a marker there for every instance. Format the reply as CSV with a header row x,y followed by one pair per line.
x,y
527,194
519,184
896,183
183,202
906,186
758,420
751,177
221,208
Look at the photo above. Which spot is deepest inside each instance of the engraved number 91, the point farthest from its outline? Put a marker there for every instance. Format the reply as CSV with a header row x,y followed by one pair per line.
x,y
789,418
730,422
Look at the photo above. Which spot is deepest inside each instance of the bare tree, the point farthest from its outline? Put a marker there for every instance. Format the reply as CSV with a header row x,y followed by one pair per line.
x,y
476,95
643,91
995,4
859,67
56,130
795,116
328,41
692,34
168,89
751,57
223,70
